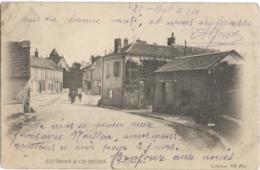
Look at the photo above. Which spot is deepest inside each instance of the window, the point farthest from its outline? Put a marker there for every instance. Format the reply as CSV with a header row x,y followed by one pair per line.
x,y
108,74
116,69
47,74
34,74
39,74
42,74
60,75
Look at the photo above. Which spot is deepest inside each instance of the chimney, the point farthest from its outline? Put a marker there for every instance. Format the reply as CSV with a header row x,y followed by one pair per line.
x,y
117,45
36,54
185,47
125,42
171,40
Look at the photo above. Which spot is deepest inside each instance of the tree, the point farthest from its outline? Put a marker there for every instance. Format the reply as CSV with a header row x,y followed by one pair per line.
x,y
75,76
76,66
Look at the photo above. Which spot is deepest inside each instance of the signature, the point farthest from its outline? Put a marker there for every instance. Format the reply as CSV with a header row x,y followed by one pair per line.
x,y
215,36
136,159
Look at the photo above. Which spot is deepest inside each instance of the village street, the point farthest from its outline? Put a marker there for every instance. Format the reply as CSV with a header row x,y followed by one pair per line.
x,y
64,128
142,86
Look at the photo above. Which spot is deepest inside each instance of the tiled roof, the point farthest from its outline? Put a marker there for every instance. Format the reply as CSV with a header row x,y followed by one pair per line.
x,y
44,63
195,62
144,49
92,66
86,67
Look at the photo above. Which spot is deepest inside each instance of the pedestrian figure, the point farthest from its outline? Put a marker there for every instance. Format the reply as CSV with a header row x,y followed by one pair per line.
x,y
80,96
69,95
141,95
73,96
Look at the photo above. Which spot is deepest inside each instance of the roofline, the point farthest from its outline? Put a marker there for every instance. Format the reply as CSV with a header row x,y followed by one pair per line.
x,y
234,51
61,57
86,67
131,46
65,62
196,55
152,55
181,70
169,46
217,62
165,46
228,52
114,54
138,54
58,69
196,69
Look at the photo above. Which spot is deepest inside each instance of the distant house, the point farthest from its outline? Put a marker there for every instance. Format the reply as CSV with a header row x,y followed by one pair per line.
x,y
86,78
17,67
61,62
46,76
127,75
92,77
206,83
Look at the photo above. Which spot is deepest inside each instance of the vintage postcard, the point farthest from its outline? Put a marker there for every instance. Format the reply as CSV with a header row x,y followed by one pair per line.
x,y
130,85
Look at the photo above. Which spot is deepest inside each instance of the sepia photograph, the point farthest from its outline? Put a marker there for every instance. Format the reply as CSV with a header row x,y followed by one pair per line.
x,y
130,85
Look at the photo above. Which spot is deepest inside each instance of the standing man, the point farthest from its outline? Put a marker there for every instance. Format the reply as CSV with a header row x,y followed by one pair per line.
x,y
80,96
73,96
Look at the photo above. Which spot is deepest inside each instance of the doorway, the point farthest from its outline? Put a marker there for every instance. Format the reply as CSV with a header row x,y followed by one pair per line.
x,y
163,91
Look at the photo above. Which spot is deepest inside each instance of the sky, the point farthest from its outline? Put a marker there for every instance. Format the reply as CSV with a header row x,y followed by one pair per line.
x,y
79,30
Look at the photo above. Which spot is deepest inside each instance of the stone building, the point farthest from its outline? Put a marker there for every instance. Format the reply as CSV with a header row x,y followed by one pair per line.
x,y
127,74
17,73
46,76
199,84
92,77
61,62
